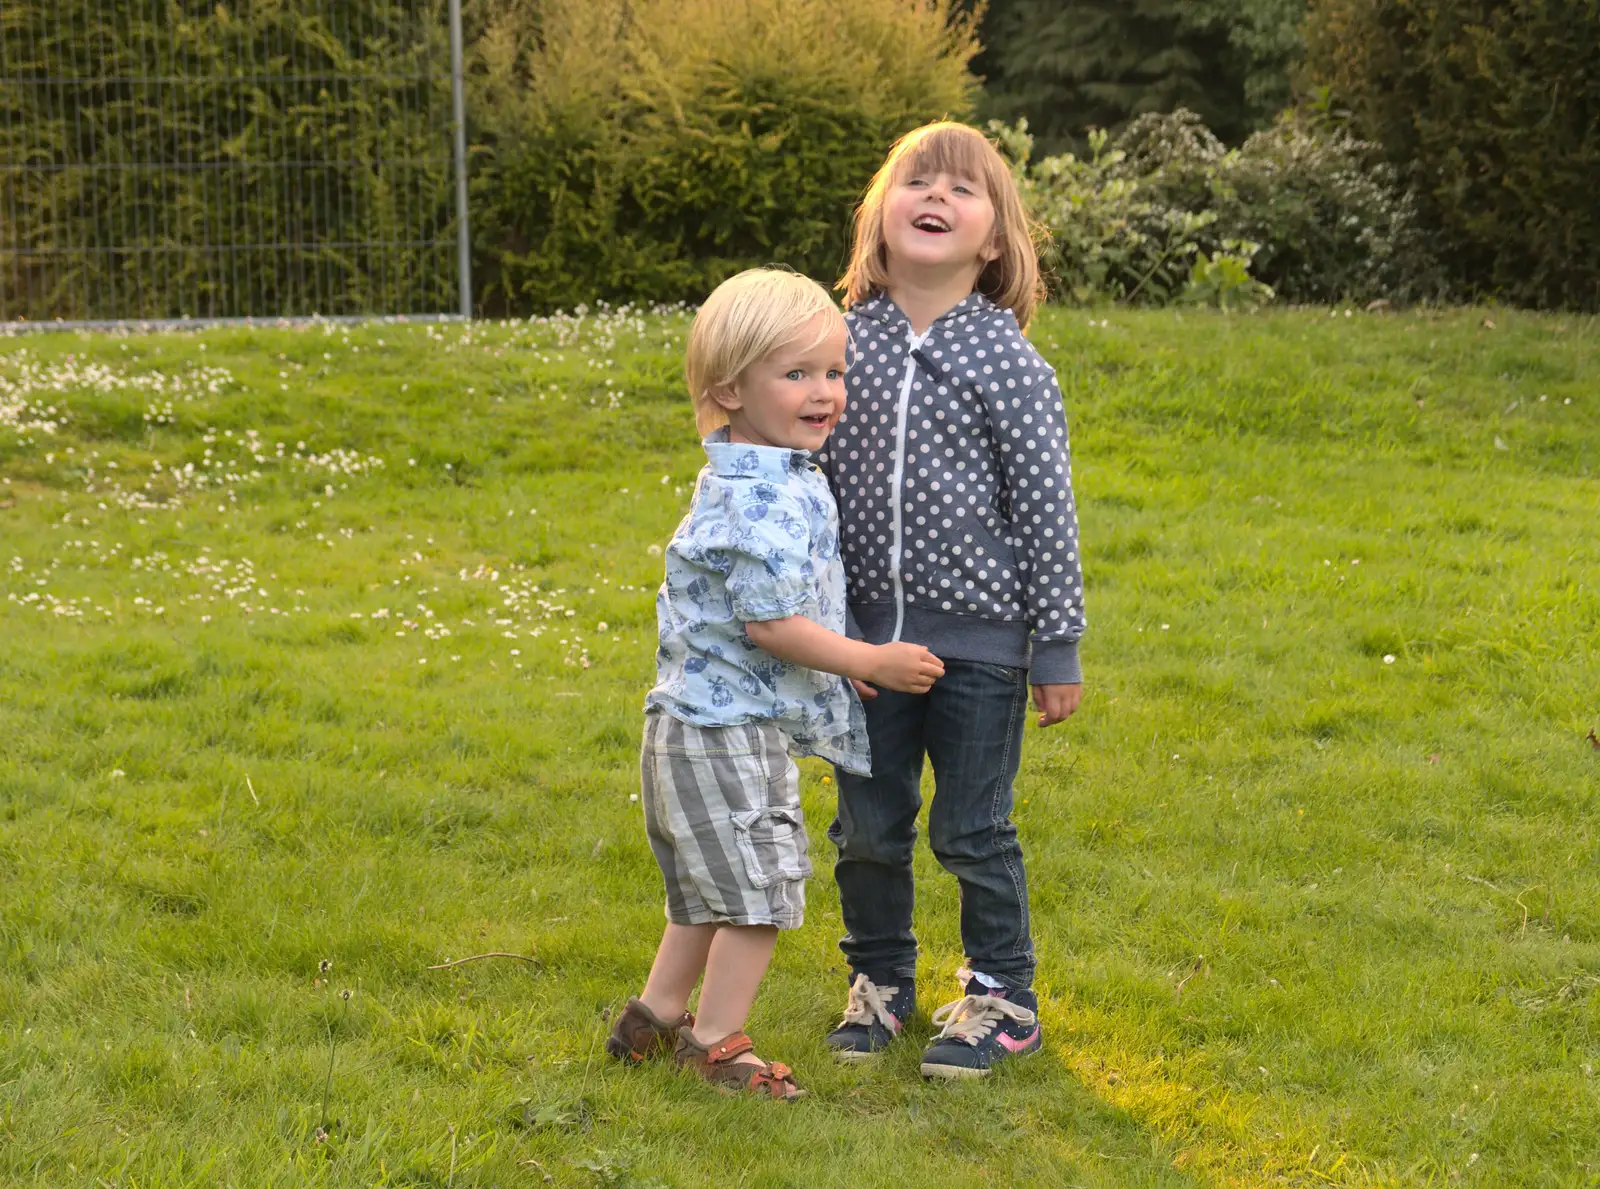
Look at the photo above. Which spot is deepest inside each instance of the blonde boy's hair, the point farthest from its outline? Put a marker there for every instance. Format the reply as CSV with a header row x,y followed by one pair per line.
x,y
1011,280
745,319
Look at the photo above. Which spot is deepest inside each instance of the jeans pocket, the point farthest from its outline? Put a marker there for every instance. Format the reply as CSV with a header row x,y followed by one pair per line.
x,y
773,844
1006,673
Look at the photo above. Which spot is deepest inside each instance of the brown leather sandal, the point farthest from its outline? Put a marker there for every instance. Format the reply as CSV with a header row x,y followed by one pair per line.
x,y
640,1034
716,1063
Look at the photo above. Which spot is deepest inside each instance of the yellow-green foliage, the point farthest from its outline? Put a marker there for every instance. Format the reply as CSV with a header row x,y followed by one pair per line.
x,y
646,149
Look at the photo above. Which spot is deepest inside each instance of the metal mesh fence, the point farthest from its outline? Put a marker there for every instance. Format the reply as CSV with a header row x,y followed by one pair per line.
x,y
168,159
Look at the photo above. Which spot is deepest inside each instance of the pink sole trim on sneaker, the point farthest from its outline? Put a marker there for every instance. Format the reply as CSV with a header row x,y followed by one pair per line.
x,y
1014,1044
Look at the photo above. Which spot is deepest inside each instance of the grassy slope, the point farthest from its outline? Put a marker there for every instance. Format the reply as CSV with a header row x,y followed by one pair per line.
x,y
1305,914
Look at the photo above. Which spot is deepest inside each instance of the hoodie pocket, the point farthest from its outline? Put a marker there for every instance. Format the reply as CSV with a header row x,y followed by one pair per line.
x,y
980,571
981,547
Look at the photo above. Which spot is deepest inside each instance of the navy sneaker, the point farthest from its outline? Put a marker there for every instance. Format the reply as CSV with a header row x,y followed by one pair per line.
x,y
873,1017
982,1029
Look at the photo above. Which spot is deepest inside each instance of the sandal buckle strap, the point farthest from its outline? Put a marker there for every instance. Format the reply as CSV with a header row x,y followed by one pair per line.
x,y
729,1047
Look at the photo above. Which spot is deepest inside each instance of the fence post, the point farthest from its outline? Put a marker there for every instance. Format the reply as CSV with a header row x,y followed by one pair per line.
x,y
458,99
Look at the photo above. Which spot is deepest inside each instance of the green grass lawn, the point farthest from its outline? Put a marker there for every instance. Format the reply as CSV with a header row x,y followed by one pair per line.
x,y
331,644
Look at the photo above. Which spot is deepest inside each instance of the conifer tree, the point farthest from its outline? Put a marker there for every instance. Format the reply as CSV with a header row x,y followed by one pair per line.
x,y
1069,65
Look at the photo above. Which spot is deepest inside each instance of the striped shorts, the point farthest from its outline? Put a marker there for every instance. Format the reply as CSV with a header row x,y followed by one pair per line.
x,y
722,809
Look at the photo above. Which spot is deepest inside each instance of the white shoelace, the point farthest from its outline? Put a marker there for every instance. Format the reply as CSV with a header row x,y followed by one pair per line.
x,y
868,1003
972,1018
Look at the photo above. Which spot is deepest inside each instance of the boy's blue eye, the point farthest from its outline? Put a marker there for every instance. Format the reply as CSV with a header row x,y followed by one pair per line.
x,y
834,373
795,373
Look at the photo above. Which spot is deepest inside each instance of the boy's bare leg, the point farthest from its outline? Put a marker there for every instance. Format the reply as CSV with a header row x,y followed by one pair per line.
x,y
679,962
735,966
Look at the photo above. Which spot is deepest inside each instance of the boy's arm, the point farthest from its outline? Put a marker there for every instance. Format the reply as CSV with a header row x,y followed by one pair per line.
x,y
1030,432
910,668
767,567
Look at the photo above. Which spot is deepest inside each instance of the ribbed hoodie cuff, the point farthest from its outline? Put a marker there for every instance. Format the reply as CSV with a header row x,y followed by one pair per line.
x,y
1055,662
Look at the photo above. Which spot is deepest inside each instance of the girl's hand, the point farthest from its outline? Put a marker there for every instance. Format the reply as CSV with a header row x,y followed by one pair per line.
x,y
909,668
1056,703
865,691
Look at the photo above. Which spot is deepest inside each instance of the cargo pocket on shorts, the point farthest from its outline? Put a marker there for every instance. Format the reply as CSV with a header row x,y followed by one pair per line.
x,y
772,842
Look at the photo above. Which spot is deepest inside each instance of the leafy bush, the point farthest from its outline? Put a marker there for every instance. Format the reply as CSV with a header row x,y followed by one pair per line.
x,y
1222,279
1110,238
1492,108
646,149
1303,206
1333,221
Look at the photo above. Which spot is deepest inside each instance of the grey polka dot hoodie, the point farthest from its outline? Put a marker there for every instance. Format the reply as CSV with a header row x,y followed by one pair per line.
x,y
951,469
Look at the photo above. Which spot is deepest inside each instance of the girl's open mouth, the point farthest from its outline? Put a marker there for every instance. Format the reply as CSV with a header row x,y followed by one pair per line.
x,y
930,223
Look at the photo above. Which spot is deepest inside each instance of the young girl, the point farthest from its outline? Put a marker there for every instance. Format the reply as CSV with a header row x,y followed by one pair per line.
x,y
958,530
750,670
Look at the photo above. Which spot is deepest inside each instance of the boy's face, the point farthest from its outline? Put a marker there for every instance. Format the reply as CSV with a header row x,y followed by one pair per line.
x,y
794,396
939,220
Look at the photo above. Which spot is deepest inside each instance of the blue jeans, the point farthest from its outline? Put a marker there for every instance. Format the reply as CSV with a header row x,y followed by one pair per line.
x,y
970,728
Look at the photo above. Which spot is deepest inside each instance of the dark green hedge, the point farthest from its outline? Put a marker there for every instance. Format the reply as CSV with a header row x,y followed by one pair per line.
x,y
1494,108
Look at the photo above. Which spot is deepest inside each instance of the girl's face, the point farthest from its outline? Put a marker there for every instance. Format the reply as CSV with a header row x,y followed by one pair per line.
x,y
939,221
794,396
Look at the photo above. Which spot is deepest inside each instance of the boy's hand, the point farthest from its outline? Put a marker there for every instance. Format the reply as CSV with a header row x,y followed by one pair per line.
x,y
909,668
1055,703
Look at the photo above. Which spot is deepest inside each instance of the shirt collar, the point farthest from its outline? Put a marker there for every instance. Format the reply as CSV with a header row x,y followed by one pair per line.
x,y
740,460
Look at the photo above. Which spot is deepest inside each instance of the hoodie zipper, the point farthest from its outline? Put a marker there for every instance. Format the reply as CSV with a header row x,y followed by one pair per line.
x,y
897,480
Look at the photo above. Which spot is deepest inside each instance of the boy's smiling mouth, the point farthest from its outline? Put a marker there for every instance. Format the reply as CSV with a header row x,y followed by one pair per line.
x,y
930,223
815,420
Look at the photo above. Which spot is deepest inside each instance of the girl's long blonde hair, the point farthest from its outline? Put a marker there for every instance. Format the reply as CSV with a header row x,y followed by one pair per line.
x,y
1011,280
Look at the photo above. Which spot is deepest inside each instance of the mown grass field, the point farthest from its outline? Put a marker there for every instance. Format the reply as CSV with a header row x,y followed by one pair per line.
x,y
1315,870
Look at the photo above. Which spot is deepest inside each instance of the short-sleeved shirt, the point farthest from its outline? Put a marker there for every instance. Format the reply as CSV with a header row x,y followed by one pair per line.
x,y
760,542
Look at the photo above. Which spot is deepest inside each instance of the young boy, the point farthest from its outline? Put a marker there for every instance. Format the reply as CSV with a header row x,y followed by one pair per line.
x,y
750,671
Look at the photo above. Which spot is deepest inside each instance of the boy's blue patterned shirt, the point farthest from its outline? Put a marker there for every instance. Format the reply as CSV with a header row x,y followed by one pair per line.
x,y
761,541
